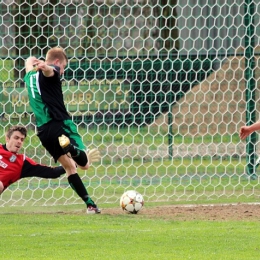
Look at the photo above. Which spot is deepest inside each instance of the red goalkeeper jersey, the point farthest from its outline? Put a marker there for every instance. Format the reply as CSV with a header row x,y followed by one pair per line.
x,y
16,166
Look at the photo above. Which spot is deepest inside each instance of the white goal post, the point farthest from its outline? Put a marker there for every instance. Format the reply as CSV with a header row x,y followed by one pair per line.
x,y
161,88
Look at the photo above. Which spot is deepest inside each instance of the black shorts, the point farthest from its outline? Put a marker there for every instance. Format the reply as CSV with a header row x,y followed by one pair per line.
x,y
49,133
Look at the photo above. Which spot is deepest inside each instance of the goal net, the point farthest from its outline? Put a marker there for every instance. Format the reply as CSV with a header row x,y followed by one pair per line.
x,y
161,88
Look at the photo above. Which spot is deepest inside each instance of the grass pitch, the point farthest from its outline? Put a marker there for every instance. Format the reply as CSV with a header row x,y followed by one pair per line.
x,y
75,235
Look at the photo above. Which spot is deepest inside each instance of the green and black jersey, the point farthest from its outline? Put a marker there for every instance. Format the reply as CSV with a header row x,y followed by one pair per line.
x,y
46,97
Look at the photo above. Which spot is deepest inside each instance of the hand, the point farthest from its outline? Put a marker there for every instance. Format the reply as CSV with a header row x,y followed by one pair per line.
x,y
244,132
32,60
93,155
45,68
41,65
30,63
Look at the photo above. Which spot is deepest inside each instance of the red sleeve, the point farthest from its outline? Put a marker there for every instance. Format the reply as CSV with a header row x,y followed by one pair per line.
x,y
31,161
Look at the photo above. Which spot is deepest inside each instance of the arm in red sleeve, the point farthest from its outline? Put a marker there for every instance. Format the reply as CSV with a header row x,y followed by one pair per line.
x,y
33,169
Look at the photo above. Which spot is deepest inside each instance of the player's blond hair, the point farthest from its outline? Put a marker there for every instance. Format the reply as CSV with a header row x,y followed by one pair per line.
x,y
56,53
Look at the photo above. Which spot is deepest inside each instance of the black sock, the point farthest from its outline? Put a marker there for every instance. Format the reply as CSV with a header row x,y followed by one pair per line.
x,y
78,156
78,186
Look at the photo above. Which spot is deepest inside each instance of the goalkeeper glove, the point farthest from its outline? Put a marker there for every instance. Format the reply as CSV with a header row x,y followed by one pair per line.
x,y
93,155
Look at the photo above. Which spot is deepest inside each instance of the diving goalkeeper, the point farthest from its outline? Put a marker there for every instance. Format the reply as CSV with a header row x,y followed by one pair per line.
x,y
15,166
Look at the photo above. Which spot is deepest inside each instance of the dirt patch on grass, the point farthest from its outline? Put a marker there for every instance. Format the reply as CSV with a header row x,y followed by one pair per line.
x,y
223,212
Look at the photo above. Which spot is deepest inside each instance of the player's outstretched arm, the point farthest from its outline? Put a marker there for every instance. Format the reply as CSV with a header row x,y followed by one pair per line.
x,y
245,131
33,169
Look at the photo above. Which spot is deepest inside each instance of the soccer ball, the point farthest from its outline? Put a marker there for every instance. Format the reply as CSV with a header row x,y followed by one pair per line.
x,y
131,201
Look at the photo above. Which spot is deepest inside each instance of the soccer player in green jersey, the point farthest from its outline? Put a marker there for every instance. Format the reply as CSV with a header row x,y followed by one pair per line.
x,y
56,130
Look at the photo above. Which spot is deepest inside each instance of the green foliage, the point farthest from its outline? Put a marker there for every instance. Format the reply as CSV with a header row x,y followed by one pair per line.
x,y
6,72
